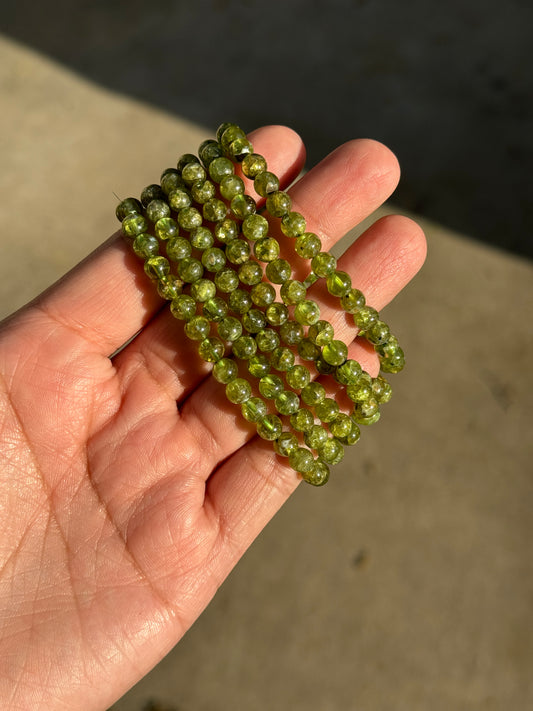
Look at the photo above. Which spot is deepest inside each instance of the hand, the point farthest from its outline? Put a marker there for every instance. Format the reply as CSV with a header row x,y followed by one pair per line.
x,y
121,512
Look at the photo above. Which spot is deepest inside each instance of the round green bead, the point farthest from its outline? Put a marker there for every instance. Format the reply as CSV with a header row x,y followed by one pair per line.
x,y
202,191
335,353
189,219
298,376
190,269
278,204
202,290
286,443
133,225
169,287
128,206
266,183
197,328
157,210
239,148
226,230
349,372
381,389
244,347
267,340
353,300
211,349
226,280
230,186
366,413
307,349
179,199
178,248
302,420
327,410
254,409
269,427
171,180
291,332
393,362
287,402
360,391
220,130
215,309
214,210
238,251
263,294
183,307
185,159
365,317
192,173
332,451
341,426
156,267
319,474
250,273
242,206
231,133
315,436
308,245
225,370
282,358
307,312
202,238
324,264
293,224
313,393
266,249
239,300
253,164
321,333
229,328
145,246
259,365
378,333
165,228
209,150
219,168
254,320
353,436
293,291
278,271
277,313
270,386
301,460
255,227
152,192
238,391
338,283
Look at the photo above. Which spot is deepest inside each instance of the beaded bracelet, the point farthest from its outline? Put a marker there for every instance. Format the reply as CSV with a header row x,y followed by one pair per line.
x,y
250,314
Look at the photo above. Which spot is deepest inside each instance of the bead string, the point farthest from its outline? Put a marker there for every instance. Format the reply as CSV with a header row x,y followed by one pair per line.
x,y
200,220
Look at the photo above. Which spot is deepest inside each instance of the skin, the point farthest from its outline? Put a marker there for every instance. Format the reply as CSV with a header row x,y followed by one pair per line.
x,y
121,512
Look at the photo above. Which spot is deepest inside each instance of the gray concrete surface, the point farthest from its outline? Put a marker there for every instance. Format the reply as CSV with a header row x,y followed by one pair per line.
x,y
407,582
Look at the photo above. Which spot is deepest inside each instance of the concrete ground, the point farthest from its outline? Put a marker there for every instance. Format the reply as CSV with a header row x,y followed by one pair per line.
x,y
407,582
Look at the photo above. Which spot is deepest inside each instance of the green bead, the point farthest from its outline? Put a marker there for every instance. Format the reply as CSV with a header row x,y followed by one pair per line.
x,y
254,409
270,386
129,206
307,312
242,206
250,273
389,348
239,300
230,186
193,173
341,426
254,320
166,228
169,287
238,251
301,460
226,280
253,164
156,267
197,328
319,474
255,227
366,413
293,291
327,410
211,349
348,372
226,230
353,436
244,347
171,180
293,224
259,365
266,183
266,249
152,192
229,328
307,349
277,313
278,271
213,259
219,168
190,269
378,333
133,225
313,393
215,309
287,402
286,443
308,245
238,391
360,391
240,148
189,219
339,283
393,363
209,150
157,210
365,317
185,159
214,210
332,451
269,427
230,134
323,367
298,376
202,191
145,246
291,332
335,353
179,199
178,248
202,238
223,127
267,340
321,333
183,307
324,264
316,436
278,204
263,294
302,420
353,300
202,290
225,370
381,389
282,358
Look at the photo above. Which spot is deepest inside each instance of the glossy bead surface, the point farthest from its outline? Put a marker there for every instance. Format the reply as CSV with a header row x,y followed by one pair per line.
x,y
298,376
178,248
282,358
208,151
211,349
338,283
202,191
203,290
308,350
189,219
278,271
277,313
267,340
197,328
353,300
327,410
190,269
254,409
335,353
152,192
308,245
214,210
324,264
134,224
287,402
285,444
262,294
365,317
156,210
215,309
145,246
226,230
302,420
254,320
316,436
253,164
255,227
156,267
179,199
259,365
250,273
291,332
226,280
229,328
219,168
238,391
225,370
313,393
183,307
201,238
332,451
307,312
239,300
269,427
230,186
128,206
238,251
321,333
244,347
319,474
301,460
266,249
341,426
266,183
242,206
166,228
279,203
348,372
293,224
270,386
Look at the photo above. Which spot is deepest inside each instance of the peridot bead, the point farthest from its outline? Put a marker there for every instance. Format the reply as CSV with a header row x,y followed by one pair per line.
x,y
321,333
230,134
253,164
293,291
238,391
365,317
302,420
152,192
242,206
279,203
165,228
267,340
367,412
270,386
341,426
263,294
145,246
214,210
287,402
230,186
226,280
157,210
239,148
353,436
128,206
278,271
313,393
381,389
266,249
171,180
282,358
285,444
323,367
319,474
225,370
332,451
178,248
327,410
203,290
378,333
352,301
169,286
189,218
197,328
277,313
183,307
360,391
348,372
254,409
190,269
291,332
192,173
209,150
215,309
156,267
307,312
338,283
211,349
266,183
179,199
250,273
134,224
393,362
202,238
254,320
315,436
308,245
244,347
226,230
255,227
202,191
298,376
259,365
307,349
229,328
221,129
269,427
324,264
238,251
239,300
301,460
219,168
293,224
335,353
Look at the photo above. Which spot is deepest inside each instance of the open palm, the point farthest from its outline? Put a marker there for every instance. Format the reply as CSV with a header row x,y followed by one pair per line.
x,y
129,487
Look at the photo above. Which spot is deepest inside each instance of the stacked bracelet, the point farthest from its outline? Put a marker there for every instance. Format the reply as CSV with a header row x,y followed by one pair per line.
x,y
211,254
